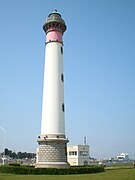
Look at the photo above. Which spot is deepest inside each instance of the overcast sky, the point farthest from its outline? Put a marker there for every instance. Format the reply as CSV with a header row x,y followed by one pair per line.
x,y
99,64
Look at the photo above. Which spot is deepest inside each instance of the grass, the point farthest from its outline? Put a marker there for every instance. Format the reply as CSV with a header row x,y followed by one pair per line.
x,y
112,174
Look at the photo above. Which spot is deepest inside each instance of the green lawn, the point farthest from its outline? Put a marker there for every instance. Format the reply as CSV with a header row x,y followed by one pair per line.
x,y
116,174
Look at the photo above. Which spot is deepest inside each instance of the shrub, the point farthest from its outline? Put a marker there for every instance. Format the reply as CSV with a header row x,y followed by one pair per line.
x,y
14,164
50,171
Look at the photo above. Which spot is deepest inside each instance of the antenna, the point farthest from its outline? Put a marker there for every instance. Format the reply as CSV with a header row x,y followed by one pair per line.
x,y
54,4
85,141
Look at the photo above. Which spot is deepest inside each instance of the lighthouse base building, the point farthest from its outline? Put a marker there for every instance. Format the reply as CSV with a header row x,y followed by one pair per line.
x,y
52,143
52,152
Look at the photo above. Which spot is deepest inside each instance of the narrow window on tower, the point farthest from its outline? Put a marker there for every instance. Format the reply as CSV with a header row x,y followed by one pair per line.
x,y
63,108
62,77
61,50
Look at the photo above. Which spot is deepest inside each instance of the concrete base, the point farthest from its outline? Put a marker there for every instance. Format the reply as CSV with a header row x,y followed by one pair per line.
x,y
52,153
52,165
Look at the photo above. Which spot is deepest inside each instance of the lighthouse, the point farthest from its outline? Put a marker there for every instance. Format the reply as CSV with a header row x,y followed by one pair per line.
x,y
52,143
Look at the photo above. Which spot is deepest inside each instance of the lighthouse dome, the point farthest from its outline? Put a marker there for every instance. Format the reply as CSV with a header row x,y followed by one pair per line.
x,y
54,22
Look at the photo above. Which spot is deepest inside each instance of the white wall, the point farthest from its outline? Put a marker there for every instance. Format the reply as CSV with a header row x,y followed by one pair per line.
x,y
53,91
81,157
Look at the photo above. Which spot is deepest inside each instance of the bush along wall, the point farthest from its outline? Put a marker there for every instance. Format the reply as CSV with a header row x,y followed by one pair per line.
x,y
50,171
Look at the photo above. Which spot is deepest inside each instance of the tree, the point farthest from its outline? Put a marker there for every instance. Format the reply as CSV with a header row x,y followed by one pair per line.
x,y
19,155
8,152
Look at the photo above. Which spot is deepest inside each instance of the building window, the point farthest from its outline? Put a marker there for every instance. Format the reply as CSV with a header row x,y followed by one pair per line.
x,y
63,108
72,153
61,50
62,77
83,153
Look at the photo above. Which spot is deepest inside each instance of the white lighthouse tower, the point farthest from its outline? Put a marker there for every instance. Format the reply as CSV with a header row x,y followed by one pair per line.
x,y
52,149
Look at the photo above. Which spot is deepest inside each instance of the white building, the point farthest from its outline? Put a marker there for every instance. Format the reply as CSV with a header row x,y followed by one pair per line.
x,y
78,155
122,157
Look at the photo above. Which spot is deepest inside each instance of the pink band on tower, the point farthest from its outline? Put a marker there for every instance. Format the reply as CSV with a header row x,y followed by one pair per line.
x,y
54,36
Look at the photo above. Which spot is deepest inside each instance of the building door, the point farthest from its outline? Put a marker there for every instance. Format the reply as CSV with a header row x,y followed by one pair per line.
x,y
85,163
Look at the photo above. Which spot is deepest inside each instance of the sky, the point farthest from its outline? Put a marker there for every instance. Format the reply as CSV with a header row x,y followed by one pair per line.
x,y
99,70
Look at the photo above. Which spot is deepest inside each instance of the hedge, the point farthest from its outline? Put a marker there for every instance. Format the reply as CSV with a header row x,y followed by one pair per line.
x,y
50,171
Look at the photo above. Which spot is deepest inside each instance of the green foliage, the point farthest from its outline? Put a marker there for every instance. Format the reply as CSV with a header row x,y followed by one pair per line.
x,y
19,155
12,164
116,174
50,171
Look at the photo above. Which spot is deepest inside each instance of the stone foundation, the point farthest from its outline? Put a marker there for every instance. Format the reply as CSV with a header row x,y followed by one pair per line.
x,y
52,152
